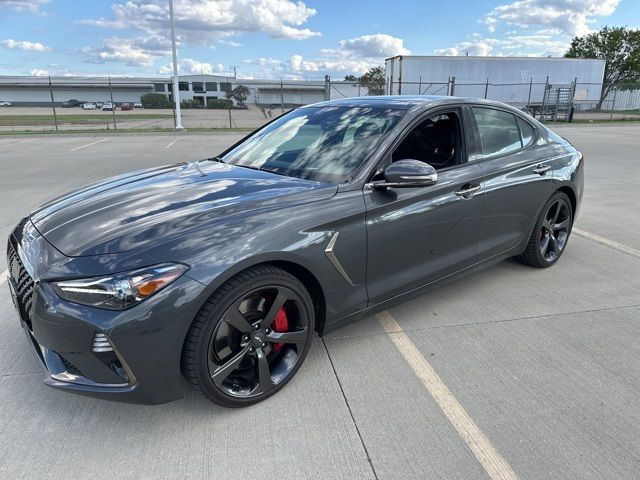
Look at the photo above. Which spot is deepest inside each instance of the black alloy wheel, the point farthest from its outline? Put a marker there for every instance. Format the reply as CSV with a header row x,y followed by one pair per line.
x,y
554,231
250,338
550,234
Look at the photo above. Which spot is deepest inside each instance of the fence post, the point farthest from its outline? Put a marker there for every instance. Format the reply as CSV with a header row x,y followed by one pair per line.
x,y
390,86
486,88
530,86
613,104
420,86
327,87
281,95
230,124
53,105
453,86
113,107
543,112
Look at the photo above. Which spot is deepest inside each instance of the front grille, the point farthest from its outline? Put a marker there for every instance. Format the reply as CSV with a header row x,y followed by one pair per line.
x,y
23,284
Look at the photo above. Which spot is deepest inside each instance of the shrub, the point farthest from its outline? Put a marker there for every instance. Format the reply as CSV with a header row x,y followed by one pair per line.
x,y
219,103
155,100
193,103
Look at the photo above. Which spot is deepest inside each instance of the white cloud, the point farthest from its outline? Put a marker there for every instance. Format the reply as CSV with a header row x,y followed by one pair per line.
x,y
378,45
193,67
201,22
39,72
570,17
511,45
31,6
133,52
352,56
24,45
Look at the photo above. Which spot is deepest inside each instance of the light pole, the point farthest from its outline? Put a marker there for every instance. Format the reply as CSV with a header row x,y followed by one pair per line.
x,y
176,91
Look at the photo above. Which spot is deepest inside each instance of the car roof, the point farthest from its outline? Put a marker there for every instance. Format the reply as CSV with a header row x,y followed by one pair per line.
x,y
404,102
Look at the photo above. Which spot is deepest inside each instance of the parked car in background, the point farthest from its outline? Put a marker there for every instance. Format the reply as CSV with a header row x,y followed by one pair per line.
x,y
223,269
126,106
137,105
6,104
107,107
66,105
99,104
88,106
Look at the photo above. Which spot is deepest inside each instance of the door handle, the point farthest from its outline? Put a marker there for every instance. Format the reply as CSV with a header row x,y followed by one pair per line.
x,y
542,169
468,192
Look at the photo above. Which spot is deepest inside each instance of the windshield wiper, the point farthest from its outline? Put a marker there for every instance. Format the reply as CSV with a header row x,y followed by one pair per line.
x,y
215,159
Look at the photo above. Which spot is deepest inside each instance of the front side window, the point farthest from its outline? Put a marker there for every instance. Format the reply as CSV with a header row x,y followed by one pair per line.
x,y
436,141
498,130
324,144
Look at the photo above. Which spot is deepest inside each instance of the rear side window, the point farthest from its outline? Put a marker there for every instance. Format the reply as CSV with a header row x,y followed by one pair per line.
x,y
499,132
527,132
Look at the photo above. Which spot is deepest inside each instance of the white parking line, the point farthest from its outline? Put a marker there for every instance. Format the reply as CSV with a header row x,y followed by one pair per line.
x,y
89,144
169,146
494,464
3,276
17,143
606,242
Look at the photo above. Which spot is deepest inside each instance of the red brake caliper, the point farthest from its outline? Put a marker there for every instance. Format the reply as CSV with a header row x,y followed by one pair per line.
x,y
280,324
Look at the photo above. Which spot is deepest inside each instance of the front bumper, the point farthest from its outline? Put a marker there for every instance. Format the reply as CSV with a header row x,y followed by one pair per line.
x,y
141,363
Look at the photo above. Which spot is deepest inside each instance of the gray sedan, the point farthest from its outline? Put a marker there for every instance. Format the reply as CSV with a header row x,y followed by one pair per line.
x,y
223,269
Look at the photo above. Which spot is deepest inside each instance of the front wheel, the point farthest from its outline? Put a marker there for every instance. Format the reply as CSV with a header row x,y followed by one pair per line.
x,y
250,337
550,234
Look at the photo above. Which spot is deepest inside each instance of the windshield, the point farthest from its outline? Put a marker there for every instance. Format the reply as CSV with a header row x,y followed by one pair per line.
x,y
324,144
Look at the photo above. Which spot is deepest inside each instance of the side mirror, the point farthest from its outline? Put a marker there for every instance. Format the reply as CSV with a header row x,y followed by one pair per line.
x,y
408,174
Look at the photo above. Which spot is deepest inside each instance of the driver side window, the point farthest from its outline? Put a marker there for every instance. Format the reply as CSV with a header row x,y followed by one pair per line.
x,y
436,141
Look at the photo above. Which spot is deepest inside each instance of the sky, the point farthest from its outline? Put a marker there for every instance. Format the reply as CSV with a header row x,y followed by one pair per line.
x,y
299,39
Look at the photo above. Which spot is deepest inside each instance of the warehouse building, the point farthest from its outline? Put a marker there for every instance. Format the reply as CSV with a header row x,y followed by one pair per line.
x,y
39,91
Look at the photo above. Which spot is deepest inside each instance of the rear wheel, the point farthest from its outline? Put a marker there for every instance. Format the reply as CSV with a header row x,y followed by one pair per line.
x,y
250,337
550,234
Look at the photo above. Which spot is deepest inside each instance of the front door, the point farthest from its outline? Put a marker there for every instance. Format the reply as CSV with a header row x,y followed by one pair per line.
x,y
418,235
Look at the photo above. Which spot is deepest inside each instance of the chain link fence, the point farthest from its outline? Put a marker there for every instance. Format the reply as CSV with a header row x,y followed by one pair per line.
x,y
42,104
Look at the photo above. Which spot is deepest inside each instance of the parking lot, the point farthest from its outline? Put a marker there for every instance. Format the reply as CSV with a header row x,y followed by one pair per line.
x,y
510,372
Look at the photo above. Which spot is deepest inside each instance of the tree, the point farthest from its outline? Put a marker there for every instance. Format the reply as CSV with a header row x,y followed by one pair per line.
x,y
350,78
239,94
374,80
619,47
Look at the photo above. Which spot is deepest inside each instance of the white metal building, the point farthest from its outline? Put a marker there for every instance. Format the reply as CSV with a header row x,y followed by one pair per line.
x,y
515,80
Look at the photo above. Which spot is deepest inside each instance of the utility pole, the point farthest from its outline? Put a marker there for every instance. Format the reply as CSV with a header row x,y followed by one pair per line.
x,y
113,105
53,104
235,71
176,92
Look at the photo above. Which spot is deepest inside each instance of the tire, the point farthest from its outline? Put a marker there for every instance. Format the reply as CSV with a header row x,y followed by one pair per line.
x,y
250,337
550,233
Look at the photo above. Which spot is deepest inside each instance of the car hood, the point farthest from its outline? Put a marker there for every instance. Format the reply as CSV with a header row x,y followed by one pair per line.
x,y
142,208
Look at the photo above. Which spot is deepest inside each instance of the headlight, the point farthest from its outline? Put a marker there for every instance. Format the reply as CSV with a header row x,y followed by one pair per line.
x,y
122,290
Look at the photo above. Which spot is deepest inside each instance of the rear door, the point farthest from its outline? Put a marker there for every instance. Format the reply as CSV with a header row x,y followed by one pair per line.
x,y
517,177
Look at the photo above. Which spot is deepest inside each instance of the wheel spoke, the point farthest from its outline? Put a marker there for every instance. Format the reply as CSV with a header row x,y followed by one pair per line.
x,y
223,371
277,304
561,225
545,245
234,318
288,337
264,373
554,242
557,212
